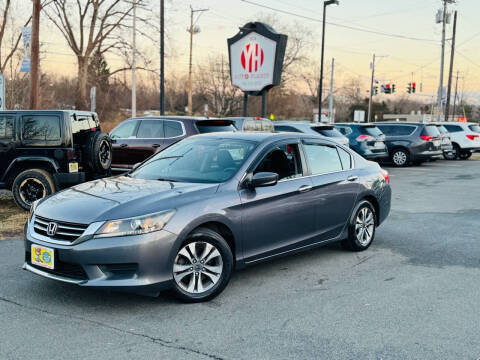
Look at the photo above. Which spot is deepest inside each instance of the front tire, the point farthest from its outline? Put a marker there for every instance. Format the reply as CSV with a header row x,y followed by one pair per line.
x,y
400,157
361,230
465,155
202,267
31,185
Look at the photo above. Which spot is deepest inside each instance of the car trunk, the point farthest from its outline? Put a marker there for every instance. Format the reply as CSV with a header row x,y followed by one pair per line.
x,y
376,139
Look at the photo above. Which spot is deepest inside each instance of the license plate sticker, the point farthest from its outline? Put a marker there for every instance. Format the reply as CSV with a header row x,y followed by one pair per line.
x,y
73,167
43,256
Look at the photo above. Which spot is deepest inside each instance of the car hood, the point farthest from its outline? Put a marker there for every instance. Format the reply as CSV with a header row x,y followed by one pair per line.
x,y
117,198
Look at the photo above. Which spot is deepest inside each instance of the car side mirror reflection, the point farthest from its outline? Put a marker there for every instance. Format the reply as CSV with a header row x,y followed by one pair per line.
x,y
262,179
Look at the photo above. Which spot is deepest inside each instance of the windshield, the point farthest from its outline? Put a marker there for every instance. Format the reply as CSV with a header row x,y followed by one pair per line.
x,y
209,126
327,131
475,128
197,160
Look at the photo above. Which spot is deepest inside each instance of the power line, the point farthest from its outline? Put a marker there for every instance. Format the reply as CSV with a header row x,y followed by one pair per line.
x,y
339,25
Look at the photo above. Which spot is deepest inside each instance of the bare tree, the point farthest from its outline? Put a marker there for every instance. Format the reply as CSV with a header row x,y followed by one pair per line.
x,y
92,27
6,18
214,84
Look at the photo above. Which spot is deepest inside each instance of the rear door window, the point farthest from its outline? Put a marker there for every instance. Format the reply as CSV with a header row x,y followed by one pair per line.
x,y
209,126
345,158
172,128
431,130
322,159
81,123
6,127
453,128
150,129
345,130
41,129
125,130
475,128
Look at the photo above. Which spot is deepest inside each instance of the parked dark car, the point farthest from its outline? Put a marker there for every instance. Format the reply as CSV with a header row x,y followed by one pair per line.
x,y
306,127
365,139
186,217
446,142
410,142
42,151
134,140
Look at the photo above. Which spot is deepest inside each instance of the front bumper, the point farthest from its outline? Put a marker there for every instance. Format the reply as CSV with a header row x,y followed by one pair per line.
x,y
140,263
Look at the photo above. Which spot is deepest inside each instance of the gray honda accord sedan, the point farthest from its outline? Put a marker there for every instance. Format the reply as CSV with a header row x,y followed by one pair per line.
x,y
189,215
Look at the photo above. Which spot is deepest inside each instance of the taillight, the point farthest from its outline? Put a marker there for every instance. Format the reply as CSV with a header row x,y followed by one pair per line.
x,y
472,137
426,137
365,138
385,175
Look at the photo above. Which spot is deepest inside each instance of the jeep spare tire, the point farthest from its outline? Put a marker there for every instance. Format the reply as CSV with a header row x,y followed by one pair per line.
x,y
98,152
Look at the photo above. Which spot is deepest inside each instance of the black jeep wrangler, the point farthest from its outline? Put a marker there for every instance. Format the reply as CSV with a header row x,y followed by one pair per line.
x,y
42,151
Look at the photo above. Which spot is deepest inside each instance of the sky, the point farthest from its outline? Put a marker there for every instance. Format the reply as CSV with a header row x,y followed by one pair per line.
x,y
400,60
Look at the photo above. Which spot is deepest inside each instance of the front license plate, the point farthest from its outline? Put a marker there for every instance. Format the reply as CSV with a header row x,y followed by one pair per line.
x,y
73,167
43,256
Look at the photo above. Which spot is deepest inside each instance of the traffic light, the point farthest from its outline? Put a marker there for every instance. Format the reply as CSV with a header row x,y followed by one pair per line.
x,y
409,88
393,88
414,87
388,89
375,90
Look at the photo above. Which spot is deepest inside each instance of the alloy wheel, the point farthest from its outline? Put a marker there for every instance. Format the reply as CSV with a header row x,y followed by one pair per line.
x,y
31,189
197,267
399,158
364,226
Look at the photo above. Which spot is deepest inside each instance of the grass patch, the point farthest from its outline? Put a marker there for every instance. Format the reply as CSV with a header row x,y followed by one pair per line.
x,y
12,218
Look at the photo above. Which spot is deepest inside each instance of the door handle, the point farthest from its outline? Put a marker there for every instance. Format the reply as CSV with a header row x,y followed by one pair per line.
x,y
155,146
352,178
123,145
305,188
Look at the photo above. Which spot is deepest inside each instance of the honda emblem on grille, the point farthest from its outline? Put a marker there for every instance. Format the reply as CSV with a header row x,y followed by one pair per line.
x,y
52,228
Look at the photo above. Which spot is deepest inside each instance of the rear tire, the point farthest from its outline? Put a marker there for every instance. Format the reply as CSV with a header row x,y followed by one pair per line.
x,y
400,157
31,185
361,230
465,155
98,153
202,267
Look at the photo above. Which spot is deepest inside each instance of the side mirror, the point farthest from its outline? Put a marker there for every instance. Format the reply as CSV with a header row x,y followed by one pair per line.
x,y
113,141
262,179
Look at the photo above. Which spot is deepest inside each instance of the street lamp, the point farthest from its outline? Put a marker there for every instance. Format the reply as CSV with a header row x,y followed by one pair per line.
x,y
320,85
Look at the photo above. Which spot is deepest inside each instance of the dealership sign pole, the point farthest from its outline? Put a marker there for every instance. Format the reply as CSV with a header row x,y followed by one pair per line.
x,y
256,55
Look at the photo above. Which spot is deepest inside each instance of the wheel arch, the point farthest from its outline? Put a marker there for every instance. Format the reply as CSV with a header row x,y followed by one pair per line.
x,y
373,200
24,163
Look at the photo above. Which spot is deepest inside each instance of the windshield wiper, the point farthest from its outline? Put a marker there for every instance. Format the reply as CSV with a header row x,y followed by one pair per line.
x,y
170,182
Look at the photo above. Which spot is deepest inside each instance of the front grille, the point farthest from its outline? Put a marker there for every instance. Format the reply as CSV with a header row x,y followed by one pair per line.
x,y
65,231
65,269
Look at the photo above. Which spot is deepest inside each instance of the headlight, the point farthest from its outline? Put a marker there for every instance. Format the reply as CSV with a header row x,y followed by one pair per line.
x,y
32,209
136,225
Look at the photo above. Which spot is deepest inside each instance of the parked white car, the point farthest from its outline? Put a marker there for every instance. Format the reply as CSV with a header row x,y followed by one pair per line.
x,y
465,138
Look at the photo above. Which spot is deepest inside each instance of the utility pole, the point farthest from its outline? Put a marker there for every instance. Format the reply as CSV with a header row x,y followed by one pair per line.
x,y
192,30
330,102
35,60
134,64
320,85
442,58
452,55
162,57
371,90
455,97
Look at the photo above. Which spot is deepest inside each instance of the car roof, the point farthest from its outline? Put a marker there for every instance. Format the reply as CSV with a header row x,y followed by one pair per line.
x,y
170,117
260,136
301,122
356,124
402,123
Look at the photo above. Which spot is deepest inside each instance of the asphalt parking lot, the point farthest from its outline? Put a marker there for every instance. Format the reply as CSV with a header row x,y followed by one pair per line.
x,y
413,295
